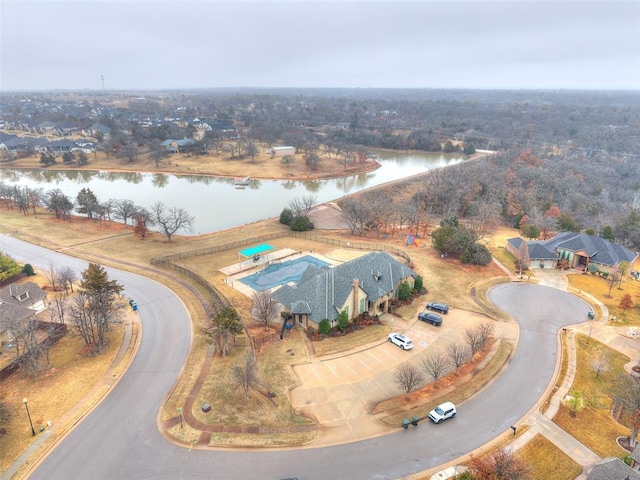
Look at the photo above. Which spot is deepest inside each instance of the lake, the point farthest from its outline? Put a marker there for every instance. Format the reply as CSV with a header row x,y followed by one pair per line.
x,y
215,202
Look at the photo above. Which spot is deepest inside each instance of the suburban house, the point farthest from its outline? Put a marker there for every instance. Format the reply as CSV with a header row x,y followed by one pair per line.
x,y
612,469
366,284
635,458
282,151
578,249
175,146
19,303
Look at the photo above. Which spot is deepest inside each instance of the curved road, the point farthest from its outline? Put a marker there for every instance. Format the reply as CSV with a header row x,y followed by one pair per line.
x,y
120,438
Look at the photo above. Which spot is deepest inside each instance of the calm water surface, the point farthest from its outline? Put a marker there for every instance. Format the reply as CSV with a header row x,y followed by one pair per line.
x,y
215,202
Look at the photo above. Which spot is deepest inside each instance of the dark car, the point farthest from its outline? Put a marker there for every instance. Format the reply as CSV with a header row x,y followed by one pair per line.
x,y
438,307
431,318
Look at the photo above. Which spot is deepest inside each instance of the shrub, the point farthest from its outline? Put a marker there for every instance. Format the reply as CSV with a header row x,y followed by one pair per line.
x,y
286,216
419,283
28,269
301,224
476,254
343,320
405,291
324,326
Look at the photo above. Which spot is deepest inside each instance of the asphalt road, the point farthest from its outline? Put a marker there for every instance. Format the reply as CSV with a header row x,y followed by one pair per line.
x,y
120,439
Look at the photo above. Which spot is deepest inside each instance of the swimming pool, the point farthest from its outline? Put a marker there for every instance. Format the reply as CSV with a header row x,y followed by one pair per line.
x,y
281,273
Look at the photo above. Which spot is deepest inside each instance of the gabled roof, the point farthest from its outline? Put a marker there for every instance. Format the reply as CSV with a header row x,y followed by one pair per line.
x,y
612,469
12,314
598,249
635,455
15,294
322,291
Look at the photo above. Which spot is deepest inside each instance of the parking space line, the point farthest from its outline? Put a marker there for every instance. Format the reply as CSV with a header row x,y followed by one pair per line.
x,y
332,370
315,373
344,362
357,357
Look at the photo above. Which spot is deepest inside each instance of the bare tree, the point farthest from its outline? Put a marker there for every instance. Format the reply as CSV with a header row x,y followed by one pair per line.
x,y
473,339
246,376
600,363
612,279
355,214
265,308
124,210
51,274
58,306
171,219
486,331
502,465
408,377
66,277
436,365
523,261
626,398
301,206
457,354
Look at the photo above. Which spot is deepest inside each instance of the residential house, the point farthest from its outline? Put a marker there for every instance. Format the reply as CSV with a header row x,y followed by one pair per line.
x,y
635,458
366,284
176,146
578,249
612,469
95,129
19,303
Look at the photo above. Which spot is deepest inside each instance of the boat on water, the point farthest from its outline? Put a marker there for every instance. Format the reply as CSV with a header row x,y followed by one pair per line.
x,y
241,182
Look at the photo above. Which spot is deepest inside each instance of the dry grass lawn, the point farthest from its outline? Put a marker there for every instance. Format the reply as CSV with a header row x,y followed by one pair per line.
x,y
545,460
599,288
53,392
594,426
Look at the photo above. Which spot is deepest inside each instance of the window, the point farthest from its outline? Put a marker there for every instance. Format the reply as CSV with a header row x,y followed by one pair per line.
x,y
362,305
23,296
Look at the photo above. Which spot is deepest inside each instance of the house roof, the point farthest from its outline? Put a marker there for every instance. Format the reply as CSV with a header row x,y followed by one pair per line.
x,y
598,249
11,314
11,294
13,308
612,469
635,455
322,291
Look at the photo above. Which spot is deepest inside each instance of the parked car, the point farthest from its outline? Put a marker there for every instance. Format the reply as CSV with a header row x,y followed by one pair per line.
x,y
400,340
432,318
442,412
438,307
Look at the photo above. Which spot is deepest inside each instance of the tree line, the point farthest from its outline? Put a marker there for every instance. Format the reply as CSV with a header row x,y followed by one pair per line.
x,y
167,219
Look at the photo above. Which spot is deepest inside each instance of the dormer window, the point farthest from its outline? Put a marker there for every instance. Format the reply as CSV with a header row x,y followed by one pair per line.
x,y
23,296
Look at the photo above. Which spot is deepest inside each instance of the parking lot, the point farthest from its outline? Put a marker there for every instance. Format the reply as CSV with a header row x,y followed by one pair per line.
x,y
341,390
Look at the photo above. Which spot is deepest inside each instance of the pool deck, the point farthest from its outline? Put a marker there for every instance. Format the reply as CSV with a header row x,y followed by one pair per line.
x,y
247,267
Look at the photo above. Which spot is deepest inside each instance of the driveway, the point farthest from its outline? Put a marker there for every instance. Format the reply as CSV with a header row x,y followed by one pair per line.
x,y
340,391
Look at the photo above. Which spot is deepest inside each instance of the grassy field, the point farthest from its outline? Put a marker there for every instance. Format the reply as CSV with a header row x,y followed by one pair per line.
x,y
53,392
594,426
545,460
599,288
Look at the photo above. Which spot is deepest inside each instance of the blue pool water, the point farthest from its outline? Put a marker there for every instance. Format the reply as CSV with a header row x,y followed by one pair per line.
x,y
281,273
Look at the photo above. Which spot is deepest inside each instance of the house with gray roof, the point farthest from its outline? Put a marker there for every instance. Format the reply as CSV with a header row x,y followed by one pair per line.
x,y
366,284
612,469
578,249
635,458
19,303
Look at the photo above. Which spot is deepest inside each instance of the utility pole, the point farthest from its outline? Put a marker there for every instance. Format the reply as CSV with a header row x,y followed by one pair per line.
x,y
102,78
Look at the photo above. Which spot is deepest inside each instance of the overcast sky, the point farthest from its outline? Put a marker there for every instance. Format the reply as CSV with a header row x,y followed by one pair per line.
x,y
387,44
